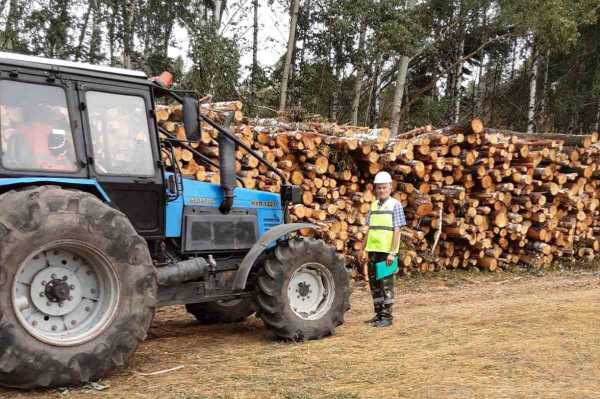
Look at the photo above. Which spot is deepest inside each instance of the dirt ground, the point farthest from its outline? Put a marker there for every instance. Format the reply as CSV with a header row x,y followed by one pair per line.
x,y
458,335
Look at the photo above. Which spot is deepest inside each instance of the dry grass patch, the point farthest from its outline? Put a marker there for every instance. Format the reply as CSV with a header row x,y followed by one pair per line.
x,y
459,335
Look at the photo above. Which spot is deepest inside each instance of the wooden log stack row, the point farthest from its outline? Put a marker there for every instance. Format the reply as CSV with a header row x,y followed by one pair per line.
x,y
473,197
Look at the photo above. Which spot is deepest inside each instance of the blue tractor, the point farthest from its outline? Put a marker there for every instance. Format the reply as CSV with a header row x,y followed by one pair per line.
x,y
95,232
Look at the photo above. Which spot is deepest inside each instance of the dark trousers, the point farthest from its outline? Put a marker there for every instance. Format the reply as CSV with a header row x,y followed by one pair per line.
x,y
381,290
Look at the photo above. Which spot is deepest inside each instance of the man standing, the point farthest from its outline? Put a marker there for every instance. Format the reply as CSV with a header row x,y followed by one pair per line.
x,y
385,219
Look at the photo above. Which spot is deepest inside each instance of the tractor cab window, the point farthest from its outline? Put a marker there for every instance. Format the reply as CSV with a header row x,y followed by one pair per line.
x,y
120,137
35,132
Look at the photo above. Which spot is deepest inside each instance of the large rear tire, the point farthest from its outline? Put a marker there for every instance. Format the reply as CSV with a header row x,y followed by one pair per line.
x,y
303,290
77,288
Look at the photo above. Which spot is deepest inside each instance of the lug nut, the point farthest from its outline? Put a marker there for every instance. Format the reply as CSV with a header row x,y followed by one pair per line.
x,y
54,328
73,322
60,305
65,278
87,308
44,283
70,298
93,290
42,294
34,323
53,276
72,287
48,303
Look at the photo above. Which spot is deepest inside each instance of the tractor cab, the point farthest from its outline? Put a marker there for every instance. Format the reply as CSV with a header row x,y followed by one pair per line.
x,y
59,120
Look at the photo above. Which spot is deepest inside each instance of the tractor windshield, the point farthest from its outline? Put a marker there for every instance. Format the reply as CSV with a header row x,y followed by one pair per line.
x,y
120,136
35,132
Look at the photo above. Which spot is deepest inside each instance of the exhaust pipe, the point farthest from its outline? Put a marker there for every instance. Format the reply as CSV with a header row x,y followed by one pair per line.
x,y
177,273
227,167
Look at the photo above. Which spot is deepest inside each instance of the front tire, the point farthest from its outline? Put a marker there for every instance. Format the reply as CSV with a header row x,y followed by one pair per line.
x,y
77,288
303,290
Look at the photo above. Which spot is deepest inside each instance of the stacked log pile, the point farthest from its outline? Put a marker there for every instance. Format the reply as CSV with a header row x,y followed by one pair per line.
x,y
473,197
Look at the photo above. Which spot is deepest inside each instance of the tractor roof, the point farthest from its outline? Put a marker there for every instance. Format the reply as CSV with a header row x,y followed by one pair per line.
x,y
49,63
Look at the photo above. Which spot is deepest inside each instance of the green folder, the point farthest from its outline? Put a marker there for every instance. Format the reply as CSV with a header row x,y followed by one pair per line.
x,y
382,270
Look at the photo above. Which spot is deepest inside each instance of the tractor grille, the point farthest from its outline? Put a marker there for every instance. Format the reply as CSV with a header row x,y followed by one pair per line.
x,y
216,232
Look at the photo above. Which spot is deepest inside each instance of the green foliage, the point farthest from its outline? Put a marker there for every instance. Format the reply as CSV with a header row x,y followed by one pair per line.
x,y
497,38
555,23
215,65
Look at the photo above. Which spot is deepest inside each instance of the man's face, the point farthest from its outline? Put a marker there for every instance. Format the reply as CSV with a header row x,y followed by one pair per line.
x,y
383,191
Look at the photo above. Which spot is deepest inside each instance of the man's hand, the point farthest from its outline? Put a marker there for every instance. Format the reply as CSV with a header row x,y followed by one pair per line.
x,y
362,256
390,259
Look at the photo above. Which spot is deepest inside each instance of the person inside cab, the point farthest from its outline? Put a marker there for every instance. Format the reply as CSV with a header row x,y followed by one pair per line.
x,y
35,130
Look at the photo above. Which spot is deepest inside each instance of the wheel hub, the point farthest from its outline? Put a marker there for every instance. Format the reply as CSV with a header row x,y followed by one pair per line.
x,y
303,289
58,291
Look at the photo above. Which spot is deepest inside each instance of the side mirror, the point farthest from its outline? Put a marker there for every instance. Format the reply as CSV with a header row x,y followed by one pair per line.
x,y
190,118
171,184
291,194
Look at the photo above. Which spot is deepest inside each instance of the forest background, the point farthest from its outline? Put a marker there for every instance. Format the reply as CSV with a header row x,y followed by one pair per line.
x,y
527,65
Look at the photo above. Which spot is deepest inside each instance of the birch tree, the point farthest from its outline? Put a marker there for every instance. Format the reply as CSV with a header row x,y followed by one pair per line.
x,y
400,84
288,58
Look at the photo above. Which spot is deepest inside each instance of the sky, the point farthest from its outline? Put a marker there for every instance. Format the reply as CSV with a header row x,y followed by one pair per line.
x,y
272,34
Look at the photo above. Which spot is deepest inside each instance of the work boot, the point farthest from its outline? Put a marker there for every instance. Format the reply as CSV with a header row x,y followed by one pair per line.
x,y
372,320
382,323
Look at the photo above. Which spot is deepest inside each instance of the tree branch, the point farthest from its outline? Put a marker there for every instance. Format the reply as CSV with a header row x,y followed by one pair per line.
x,y
428,87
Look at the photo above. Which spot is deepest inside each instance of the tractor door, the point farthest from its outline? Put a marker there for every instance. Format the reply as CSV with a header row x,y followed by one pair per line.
x,y
123,152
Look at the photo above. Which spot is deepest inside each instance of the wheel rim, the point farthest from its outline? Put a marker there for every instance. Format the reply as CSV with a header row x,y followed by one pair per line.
x,y
65,293
311,291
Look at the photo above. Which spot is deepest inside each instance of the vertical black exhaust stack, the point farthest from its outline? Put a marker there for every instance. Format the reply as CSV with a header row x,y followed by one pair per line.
x,y
227,166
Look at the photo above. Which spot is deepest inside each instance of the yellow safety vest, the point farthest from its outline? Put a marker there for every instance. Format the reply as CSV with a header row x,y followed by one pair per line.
x,y
381,227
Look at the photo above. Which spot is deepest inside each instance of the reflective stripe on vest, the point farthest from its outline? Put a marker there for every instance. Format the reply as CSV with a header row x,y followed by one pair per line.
x,y
381,227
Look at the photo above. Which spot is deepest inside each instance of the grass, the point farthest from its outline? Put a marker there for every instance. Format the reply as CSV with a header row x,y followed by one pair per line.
x,y
456,335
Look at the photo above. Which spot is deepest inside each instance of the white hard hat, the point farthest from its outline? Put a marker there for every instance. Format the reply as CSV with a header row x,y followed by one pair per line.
x,y
382,178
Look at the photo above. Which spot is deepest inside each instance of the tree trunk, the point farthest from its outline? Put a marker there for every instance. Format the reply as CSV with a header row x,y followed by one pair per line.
x,y
2,5
532,91
335,95
360,72
305,42
478,89
288,58
11,32
255,46
458,84
400,83
598,116
96,37
254,70
459,66
86,19
399,93
373,107
111,40
167,38
513,46
217,14
127,33
544,99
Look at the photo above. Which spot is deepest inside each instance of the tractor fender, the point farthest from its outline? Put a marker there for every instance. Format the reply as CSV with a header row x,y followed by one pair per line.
x,y
88,185
241,277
